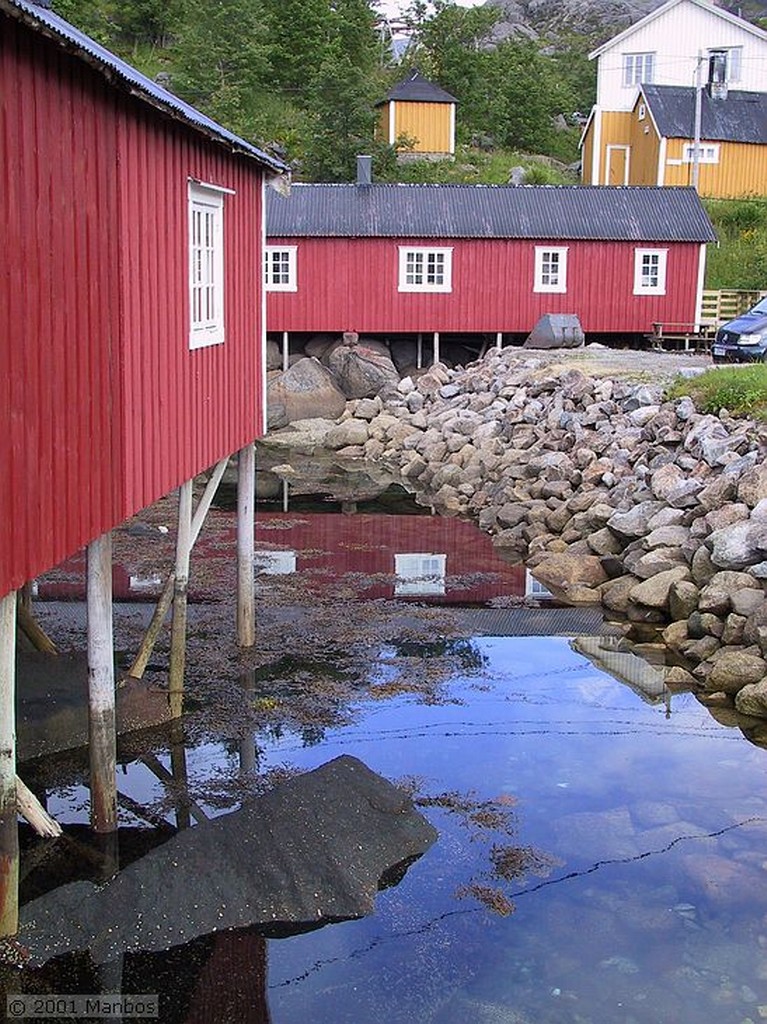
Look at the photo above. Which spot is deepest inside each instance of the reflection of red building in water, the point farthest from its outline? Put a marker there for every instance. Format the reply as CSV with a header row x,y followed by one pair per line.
x,y
441,560
445,561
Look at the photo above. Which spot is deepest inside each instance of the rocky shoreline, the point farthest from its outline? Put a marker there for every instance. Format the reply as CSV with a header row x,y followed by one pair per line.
x,y
606,490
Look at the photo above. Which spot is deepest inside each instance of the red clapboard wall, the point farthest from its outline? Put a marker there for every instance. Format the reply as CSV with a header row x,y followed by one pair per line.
x,y
103,405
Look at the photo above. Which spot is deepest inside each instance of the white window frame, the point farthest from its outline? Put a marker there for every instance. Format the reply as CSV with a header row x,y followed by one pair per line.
x,y
734,62
419,573
533,588
638,68
643,283
548,279
708,153
206,265
416,274
275,563
285,255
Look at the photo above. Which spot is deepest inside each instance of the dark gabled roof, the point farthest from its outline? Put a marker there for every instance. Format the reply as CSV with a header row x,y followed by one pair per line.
x,y
741,117
417,89
490,211
47,23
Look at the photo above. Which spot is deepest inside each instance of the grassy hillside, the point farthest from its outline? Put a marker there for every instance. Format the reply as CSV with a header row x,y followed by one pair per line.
x,y
740,258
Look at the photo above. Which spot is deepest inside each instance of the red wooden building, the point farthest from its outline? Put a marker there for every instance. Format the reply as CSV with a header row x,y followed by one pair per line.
x,y
130,312
473,259
131,341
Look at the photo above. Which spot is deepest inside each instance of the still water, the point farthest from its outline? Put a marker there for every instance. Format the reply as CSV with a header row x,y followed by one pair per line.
x,y
602,855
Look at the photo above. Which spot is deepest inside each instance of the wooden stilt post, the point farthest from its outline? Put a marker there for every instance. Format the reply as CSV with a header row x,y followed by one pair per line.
x,y
180,775
246,583
419,351
102,734
499,340
141,660
435,352
181,585
9,833
285,350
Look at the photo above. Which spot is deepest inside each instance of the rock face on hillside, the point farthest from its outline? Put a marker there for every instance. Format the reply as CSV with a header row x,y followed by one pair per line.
x,y
607,491
599,18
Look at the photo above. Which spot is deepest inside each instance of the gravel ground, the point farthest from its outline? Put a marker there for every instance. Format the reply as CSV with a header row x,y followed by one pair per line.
x,y
648,364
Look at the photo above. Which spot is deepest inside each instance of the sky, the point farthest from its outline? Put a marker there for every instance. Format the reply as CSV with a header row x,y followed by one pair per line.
x,y
394,8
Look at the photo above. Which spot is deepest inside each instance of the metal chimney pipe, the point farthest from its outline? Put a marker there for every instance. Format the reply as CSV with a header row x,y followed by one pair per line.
x,y
364,170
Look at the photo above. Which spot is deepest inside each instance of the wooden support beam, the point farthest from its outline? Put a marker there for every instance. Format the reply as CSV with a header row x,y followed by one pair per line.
x,y
499,340
285,350
102,722
176,786
9,833
435,351
32,629
180,588
30,808
246,578
140,662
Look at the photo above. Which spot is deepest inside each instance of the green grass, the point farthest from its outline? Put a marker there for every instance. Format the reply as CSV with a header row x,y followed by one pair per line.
x,y
476,167
740,258
741,390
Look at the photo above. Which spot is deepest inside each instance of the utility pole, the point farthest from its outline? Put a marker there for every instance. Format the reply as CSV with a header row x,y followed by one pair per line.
x,y
696,130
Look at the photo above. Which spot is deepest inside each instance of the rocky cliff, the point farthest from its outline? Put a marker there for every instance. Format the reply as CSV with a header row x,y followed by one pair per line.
x,y
600,19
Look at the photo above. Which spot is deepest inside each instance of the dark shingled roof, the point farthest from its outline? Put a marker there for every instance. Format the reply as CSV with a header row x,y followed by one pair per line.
x,y
417,89
741,117
490,211
125,76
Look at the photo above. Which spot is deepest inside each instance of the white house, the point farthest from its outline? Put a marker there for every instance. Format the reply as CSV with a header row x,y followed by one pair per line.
x,y
672,45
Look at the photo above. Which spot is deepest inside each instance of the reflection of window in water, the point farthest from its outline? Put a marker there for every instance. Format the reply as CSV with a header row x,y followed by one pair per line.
x,y
141,584
419,574
533,588
275,563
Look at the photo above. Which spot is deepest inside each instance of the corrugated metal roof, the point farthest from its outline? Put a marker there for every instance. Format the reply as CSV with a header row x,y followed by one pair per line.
x,y
741,117
490,211
417,89
117,71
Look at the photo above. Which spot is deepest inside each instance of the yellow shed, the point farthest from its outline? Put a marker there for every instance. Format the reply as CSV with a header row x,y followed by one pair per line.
x,y
420,112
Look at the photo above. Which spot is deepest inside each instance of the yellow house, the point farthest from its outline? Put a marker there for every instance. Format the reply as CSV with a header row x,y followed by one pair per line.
x,y
422,113
674,45
731,143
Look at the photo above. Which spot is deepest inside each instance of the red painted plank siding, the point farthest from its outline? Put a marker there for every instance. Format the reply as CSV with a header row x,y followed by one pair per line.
x,y
103,407
351,284
196,406
58,308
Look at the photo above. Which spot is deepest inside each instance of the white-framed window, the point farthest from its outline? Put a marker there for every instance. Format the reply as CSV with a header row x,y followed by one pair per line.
x,y
425,270
206,265
733,61
533,588
550,269
708,153
650,271
638,68
275,563
642,112
280,268
419,574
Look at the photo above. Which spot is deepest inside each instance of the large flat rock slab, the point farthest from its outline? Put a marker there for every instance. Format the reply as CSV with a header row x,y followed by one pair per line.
x,y
311,851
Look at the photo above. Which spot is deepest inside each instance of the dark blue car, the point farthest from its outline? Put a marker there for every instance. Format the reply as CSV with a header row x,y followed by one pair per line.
x,y
743,340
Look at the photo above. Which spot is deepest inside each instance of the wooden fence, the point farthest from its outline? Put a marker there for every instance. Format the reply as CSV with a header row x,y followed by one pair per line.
x,y
725,304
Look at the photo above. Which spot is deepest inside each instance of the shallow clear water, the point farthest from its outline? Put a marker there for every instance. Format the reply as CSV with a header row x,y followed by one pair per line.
x,y
650,832
601,859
